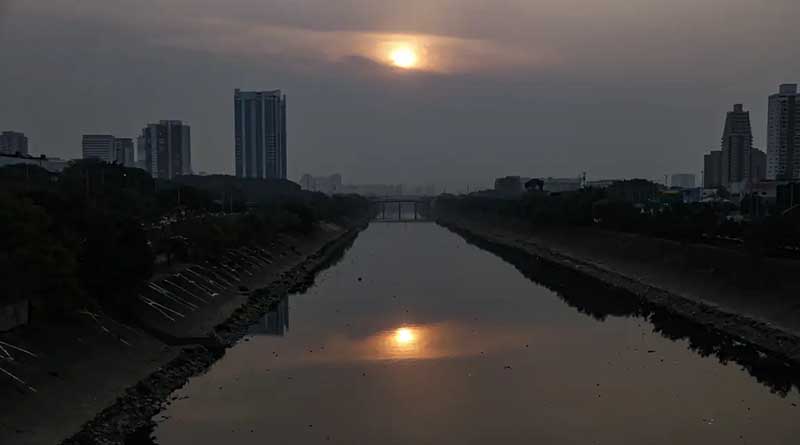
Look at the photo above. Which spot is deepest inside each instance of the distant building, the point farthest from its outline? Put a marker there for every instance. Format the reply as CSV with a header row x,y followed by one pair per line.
x,y
736,146
712,170
561,185
330,185
421,190
260,134
737,164
601,183
123,151
108,148
372,190
12,142
690,195
165,149
636,191
758,165
683,180
509,185
53,165
767,190
783,134
98,146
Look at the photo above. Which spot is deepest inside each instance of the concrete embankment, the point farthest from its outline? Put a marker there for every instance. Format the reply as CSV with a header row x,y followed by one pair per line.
x,y
687,281
96,380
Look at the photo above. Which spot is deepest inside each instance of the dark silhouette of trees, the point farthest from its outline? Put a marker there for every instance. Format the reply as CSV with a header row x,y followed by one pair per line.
x,y
91,235
636,206
36,265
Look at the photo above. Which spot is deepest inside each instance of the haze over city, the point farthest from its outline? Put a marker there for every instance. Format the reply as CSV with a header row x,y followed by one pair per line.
x,y
451,92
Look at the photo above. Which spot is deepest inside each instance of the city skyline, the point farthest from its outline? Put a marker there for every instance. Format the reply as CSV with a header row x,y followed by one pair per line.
x,y
737,163
556,97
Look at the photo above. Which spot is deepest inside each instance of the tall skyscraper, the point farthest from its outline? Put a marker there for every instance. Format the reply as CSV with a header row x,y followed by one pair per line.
x,y
737,164
12,142
260,134
712,170
758,165
123,151
783,134
98,146
737,145
165,149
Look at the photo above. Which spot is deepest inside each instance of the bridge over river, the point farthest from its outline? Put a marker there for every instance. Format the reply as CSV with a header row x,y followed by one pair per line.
x,y
402,208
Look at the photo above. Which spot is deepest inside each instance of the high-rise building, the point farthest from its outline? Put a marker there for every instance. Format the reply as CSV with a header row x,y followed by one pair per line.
x,y
260,134
737,164
783,134
758,165
12,142
165,149
712,169
108,148
98,146
123,151
737,143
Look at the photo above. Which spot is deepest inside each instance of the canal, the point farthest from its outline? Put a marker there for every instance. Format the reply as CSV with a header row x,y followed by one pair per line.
x,y
419,337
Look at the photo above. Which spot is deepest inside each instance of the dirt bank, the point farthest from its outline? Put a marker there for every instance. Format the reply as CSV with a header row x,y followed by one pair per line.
x,y
759,317
91,364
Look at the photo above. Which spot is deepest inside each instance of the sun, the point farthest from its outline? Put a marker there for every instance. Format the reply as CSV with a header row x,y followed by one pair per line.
x,y
404,57
404,336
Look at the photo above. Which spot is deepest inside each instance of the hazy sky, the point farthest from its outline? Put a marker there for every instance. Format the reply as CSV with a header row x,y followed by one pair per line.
x,y
616,88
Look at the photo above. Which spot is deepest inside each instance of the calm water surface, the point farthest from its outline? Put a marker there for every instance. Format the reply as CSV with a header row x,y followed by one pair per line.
x,y
417,337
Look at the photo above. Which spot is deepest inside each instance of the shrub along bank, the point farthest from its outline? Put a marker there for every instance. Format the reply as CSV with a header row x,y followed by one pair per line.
x,y
92,234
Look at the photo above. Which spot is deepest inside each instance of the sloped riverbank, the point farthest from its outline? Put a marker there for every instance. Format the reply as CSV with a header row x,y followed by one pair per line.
x,y
82,370
767,346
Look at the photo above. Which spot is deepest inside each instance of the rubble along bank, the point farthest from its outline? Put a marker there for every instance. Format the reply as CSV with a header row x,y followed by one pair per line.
x,y
135,409
765,336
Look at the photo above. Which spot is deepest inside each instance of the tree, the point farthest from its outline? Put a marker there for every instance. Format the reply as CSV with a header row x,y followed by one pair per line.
x,y
35,264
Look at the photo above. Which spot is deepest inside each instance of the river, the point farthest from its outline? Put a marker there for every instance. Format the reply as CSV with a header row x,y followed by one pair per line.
x,y
418,337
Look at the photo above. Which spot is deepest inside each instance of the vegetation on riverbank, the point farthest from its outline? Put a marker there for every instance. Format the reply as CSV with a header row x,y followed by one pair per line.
x,y
94,233
604,208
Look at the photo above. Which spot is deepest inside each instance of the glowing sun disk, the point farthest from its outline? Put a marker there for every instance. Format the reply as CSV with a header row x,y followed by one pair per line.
x,y
404,57
404,336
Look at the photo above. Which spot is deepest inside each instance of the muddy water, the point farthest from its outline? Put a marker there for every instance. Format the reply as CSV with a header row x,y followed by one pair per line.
x,y
418,337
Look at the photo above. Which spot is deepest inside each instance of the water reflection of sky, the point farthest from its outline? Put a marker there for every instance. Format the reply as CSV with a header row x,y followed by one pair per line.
x,y
440,342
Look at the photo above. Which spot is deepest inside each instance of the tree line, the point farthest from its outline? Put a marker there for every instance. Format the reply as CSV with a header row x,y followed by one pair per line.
x,y
612,209
91,235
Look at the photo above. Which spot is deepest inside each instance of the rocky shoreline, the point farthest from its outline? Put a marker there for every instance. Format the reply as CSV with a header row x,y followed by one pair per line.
x,y
134,410
770,343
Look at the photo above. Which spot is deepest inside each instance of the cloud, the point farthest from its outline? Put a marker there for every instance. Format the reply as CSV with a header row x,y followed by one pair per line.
x,y
437,53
